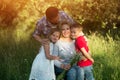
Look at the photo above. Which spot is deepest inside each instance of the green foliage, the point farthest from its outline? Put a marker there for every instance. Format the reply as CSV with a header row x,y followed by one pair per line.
x,y
94,14
9,10
18,48
106,54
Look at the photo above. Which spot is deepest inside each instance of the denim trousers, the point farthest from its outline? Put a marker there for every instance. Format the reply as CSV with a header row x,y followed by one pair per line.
x,y
85,73
70,75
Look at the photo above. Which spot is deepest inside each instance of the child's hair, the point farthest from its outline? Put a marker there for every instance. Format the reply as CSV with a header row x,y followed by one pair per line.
x,y
77,25
63,23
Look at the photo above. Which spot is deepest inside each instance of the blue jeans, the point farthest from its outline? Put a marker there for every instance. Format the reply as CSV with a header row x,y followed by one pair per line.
x,y
85,73
70,75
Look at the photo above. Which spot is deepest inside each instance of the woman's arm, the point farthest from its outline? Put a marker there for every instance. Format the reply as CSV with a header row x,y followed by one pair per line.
x,y
57,63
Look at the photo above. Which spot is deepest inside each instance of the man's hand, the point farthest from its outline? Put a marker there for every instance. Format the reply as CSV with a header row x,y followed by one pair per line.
x,y
45,41
42,41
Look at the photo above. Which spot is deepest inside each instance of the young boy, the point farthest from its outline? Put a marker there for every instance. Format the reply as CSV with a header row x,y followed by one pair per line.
x,y
86,61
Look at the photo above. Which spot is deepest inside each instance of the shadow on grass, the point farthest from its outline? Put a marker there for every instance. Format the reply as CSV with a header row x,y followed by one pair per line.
x,y
16,59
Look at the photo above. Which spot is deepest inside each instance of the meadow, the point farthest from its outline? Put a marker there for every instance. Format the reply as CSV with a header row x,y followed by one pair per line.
x,y
18,50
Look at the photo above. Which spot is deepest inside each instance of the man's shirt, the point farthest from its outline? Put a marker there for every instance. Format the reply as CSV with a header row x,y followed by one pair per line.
x,y
43,26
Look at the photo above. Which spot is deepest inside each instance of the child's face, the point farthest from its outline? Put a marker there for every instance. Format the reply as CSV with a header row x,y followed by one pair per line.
x,y
55,36
75,32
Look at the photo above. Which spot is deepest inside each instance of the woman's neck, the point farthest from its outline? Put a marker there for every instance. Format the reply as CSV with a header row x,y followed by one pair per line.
x,y
66,39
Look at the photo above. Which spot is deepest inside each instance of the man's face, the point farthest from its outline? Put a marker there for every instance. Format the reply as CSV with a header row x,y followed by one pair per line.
x,y
54,20
75,32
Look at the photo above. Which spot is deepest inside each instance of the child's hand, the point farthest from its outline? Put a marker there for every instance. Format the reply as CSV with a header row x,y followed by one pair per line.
x,y
92,60
61,60
56,58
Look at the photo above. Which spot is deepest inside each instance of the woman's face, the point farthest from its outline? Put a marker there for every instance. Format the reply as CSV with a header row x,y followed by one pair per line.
x,y
65,29
55,36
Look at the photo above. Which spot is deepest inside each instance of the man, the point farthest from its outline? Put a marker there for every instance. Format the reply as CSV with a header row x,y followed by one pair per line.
x,y
52,19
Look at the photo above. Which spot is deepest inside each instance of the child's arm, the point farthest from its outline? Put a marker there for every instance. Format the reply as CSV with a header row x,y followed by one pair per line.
x,y
47,53
87,55
90,53
45,43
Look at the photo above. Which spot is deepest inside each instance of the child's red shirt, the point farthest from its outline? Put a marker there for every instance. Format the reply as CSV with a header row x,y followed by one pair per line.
x,y
80,42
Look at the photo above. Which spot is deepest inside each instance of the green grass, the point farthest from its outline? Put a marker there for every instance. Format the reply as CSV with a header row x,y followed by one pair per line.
x,y
106,54
17,53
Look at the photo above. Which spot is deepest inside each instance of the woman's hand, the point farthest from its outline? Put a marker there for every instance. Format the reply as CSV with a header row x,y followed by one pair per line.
x,y
65,66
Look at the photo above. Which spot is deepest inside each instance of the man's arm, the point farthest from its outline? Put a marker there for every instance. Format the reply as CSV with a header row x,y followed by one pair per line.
x,y
37,38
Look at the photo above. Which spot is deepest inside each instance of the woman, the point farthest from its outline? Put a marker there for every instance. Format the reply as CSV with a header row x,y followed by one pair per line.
x,y
65,49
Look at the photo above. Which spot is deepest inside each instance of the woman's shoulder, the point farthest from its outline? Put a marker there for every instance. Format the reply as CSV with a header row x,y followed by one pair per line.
x,y
60,42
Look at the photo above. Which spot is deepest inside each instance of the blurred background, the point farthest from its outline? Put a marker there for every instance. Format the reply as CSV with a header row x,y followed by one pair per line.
x,y
101,19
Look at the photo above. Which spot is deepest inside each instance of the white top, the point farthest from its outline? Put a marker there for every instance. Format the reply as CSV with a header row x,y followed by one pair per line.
x,y
65,50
